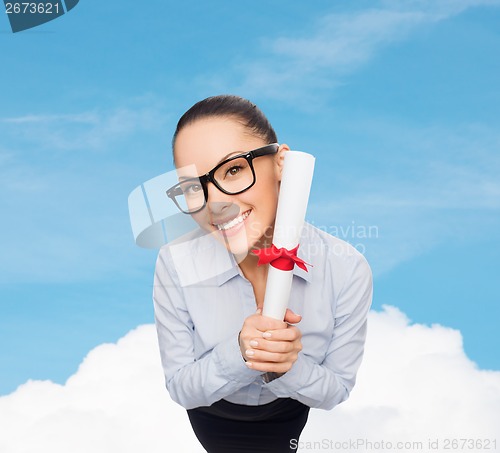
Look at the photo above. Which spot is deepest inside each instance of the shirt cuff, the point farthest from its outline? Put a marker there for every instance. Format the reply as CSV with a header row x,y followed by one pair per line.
x,y
227,356
293,380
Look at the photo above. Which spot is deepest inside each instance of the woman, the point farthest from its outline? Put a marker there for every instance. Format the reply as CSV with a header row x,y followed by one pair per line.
x,y
246,380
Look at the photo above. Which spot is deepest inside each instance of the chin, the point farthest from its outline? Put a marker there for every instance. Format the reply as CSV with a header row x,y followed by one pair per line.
x,y
239,245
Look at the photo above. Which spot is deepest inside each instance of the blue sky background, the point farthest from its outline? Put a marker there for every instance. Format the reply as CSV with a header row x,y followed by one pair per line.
x,y
398,100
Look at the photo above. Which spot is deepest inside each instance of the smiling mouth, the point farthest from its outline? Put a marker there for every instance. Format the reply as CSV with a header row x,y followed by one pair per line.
x,y
232,223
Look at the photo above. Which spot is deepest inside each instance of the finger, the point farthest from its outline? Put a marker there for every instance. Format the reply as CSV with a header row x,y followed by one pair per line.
x,y
269,367
291,317
259,323
264,323
281,347
291,333
257,355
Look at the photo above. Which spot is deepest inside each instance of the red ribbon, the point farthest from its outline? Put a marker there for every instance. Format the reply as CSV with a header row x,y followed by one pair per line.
x,y
282,258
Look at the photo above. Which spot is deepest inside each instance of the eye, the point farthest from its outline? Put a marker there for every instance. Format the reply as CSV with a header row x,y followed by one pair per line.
x,y
191,189
234,170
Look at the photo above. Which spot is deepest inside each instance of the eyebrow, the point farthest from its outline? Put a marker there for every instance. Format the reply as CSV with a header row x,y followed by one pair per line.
x,y
228,155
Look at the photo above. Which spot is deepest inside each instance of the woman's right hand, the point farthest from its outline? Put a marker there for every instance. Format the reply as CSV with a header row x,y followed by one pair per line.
x,y
270,345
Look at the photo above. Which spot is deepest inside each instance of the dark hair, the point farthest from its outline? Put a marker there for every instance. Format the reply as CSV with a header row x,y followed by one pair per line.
x,y
226,105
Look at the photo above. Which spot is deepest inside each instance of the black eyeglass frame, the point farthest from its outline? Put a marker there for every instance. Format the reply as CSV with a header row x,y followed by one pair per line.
x,y
249,156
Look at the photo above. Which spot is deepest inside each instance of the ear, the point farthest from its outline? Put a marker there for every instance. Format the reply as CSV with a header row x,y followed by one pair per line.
x,y
280,159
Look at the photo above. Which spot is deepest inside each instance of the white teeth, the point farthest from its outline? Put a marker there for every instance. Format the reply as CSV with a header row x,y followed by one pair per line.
x,y
234,222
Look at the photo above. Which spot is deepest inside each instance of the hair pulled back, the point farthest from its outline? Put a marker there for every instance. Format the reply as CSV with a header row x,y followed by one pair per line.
x,y
226,105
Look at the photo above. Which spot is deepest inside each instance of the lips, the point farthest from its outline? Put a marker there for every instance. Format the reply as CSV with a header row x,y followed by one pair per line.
x,y
224,226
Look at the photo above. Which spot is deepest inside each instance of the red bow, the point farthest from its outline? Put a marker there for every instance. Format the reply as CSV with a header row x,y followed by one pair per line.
x,y
282,258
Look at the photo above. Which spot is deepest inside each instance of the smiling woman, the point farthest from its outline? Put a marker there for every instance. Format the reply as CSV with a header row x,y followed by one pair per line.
x,y
247,380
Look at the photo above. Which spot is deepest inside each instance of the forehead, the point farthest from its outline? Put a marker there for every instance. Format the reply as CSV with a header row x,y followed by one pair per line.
x,y
206,141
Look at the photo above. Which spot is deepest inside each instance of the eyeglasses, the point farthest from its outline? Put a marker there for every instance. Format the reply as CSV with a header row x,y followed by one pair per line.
x,y
233,176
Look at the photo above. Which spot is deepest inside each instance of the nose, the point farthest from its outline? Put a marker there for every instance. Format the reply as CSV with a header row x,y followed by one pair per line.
x,y
218,202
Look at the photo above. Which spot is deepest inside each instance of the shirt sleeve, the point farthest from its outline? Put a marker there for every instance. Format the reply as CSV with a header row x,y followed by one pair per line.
x,y
190,382
329,383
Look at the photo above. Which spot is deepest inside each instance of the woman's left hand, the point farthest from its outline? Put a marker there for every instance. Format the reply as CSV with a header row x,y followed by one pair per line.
x,y
276,350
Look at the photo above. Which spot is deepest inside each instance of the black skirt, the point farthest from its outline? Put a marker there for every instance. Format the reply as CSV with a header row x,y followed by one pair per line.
x,y
226,427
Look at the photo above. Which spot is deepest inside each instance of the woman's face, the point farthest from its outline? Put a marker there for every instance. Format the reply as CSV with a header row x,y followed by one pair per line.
x,y
239,221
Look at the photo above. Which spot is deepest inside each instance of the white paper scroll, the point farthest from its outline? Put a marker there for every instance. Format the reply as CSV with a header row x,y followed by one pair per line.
x,y
296,182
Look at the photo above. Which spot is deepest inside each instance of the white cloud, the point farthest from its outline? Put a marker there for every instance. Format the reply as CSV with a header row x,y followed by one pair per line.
x,y
439,9
88,130
86,118
415,384
301,67
116,402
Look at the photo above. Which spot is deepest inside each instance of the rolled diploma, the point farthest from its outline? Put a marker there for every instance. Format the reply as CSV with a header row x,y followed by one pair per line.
x,y
295,186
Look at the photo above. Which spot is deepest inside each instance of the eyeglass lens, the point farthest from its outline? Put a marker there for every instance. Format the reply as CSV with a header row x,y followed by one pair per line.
x,y
233,177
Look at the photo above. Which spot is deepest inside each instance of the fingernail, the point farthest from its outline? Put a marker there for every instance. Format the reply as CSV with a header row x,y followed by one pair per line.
x,y
266,334
249,364
254,343
259,311
249,352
